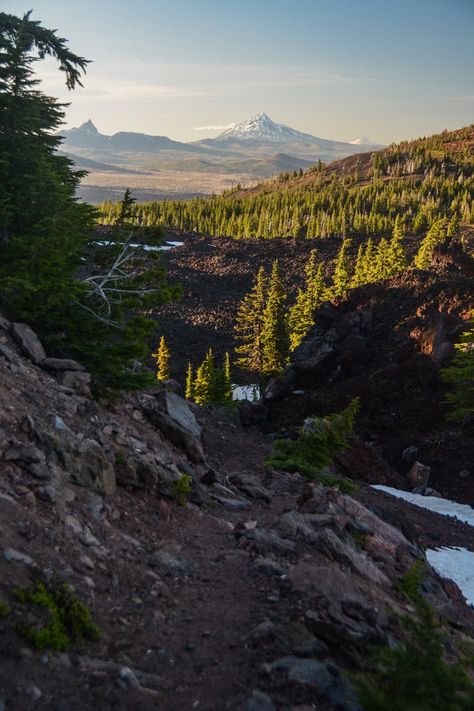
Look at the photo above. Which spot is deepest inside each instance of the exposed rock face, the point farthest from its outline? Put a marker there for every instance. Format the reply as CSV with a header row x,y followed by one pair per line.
x,y
51,429
386,343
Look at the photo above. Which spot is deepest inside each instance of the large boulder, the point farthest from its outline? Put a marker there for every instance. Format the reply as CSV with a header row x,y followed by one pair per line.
x,y
178,409
173,430
61,364
28,342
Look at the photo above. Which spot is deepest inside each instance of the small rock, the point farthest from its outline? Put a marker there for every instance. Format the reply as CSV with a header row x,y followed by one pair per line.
x,y
61,426
131,681
429,491
269,567
235,504
14,556
464,474
24,453
48,493
266,540
88,562
34,693
299,640
410,454
172,563
259,702
419,474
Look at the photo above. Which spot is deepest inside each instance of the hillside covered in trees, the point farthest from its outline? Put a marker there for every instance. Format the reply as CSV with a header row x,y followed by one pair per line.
x,y
420,181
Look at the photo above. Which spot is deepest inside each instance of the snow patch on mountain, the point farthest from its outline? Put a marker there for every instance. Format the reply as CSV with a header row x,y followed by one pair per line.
x,y
364,141
261,127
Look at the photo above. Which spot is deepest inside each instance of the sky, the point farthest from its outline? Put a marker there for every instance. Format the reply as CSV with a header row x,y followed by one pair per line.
x,y
336,69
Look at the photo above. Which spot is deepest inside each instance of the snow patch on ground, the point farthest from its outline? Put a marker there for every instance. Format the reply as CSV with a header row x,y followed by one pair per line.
x,y
246,392
445,507
456,564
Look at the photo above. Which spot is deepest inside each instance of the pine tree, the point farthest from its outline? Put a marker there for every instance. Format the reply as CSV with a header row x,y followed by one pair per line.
x,y
460,377
359,277
275,341
342,276
453,226
397,260
189,392
205,381
227,377
249,324
370,262
382,259
46,234
436,234
162,357
300,318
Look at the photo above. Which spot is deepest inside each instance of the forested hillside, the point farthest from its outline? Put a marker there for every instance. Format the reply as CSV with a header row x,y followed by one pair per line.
x,y
421,181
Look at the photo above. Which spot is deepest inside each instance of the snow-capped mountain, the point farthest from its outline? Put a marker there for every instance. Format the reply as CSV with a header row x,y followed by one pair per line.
x,y
261,128
364,141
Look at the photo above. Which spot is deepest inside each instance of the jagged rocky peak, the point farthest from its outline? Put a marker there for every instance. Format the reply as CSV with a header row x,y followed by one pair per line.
x,y
88,127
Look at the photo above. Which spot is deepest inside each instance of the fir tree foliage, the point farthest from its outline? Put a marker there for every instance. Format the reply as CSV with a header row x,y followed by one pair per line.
x,y
436,234
342,270
86,301
459,376
249,325
318,442
275,342
396,255
162,357
210,385
189,390
300,318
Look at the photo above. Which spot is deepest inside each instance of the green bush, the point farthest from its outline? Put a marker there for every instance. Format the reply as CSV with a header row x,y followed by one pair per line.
x,y
414,675
69,619
318,442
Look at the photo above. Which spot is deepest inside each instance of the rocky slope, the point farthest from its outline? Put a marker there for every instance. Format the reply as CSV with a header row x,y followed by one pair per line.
x,y
386,343
255,591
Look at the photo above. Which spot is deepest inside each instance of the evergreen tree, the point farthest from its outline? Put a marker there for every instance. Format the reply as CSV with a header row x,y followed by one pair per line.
x,y
162,357
47,243
397,260
189,392
300,319
460,377
249,325
359,277
382,270
453,226
370,268
436,234
211,386
275,341
342,275
227,377
204,384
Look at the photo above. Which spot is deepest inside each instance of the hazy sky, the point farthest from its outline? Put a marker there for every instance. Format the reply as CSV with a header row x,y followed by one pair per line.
x,y
388,69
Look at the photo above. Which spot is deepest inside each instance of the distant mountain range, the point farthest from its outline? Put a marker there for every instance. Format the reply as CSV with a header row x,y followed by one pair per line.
x,y
258,146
